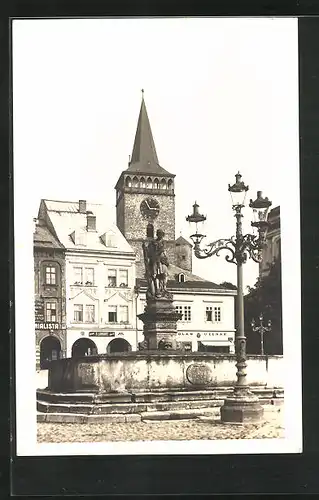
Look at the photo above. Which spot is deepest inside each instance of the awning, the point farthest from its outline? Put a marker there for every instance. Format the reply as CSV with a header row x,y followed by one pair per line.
x,y
210,343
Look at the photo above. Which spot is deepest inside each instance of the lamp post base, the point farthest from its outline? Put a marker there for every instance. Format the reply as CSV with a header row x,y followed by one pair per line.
x,y
242,408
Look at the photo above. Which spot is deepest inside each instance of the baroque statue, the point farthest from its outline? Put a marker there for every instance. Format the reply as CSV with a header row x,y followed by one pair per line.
x,y
156,266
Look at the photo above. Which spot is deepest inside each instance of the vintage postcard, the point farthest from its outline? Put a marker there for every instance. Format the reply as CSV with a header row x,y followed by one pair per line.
x,y
157,244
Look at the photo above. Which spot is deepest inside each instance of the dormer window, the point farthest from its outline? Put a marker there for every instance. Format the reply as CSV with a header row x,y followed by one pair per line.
x,y
78,238
108,239
181,278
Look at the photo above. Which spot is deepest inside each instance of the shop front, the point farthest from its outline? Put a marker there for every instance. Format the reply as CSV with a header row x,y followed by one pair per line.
x,y
50,343
88,343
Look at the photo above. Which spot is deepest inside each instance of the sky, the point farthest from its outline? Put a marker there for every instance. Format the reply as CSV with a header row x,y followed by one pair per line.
x,y
221,95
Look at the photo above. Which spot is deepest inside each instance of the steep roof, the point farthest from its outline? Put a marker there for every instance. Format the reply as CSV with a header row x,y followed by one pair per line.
x,y
43,238
144,157
182,241
69,224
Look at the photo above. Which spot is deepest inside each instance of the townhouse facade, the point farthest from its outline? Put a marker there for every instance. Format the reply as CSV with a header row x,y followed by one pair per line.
x,y
99,278
49,295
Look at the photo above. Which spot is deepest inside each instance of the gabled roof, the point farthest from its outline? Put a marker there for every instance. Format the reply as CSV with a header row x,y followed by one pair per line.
x,y
144,157
191,281
68,221
182,241
43,238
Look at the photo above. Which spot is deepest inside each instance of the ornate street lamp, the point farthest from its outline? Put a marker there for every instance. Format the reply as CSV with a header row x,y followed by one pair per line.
x,y
261,329
243,405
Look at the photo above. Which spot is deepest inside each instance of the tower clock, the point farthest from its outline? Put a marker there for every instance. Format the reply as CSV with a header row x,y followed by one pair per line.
x,y
149,208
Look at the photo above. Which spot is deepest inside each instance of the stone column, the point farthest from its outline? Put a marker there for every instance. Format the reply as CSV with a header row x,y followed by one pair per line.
x,y
160,324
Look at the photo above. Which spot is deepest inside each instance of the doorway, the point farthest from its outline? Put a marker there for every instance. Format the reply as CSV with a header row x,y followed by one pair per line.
x,y
50,349
83,347
119,345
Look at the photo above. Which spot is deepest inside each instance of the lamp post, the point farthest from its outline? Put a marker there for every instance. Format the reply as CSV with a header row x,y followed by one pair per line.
x,y
261,329
242,405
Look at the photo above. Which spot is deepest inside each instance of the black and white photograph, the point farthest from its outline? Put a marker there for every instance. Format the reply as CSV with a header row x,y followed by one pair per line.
x,y
157,240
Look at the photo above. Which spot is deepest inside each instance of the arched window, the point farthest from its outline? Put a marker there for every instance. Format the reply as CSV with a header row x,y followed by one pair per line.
x,y
150,230
142,182
149,184
156,184
128,182
170,184
135,182
181,278
163,184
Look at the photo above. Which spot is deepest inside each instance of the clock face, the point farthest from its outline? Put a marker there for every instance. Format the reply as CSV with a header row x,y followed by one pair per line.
x,y
150,208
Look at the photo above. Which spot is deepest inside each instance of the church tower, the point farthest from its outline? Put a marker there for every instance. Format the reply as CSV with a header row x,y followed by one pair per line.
x,y
145,198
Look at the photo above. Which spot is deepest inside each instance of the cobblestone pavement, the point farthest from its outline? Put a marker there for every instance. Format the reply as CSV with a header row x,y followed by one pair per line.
x,y
195,429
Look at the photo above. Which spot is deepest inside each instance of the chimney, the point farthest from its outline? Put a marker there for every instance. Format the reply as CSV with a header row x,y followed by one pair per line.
x,y
82,206
90,221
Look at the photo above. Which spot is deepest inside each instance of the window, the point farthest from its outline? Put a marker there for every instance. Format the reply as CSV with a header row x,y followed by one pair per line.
x,y
112,314
163,184
187,313
209,313
89,314
135,182
213,314
142,182
78,275
111,278
111,240
128,182
181,278
50,312
179,310
50,275
217,314
149,184
123,314
156,184
89,276
123,277
78,313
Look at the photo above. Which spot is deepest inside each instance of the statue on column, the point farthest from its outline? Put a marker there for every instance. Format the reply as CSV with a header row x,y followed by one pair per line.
x,y
156,266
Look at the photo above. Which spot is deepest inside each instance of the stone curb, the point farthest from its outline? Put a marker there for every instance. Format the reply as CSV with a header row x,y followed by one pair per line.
x,y
67,418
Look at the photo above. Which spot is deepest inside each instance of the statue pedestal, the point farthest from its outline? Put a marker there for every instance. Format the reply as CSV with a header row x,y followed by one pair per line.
x,y
160,323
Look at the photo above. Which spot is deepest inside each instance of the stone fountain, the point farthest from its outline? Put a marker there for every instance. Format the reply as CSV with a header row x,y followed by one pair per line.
x,y
160,380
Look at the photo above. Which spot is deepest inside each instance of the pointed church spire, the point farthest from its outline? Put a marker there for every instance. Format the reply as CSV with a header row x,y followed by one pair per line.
x,y
144,157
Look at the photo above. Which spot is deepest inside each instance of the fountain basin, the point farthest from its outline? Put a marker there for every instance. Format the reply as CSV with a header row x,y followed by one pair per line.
x,y
160,370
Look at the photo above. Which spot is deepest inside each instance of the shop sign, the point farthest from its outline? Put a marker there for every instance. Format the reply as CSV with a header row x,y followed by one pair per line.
x,y
47,326
101,334
39,311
